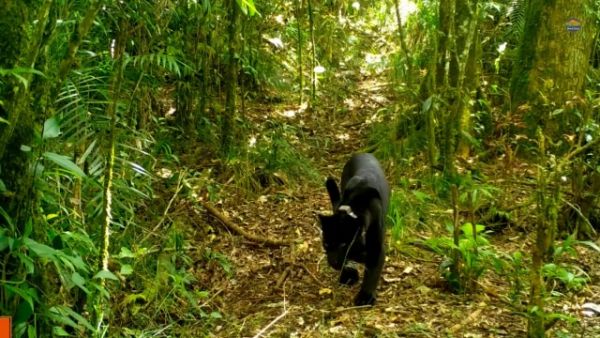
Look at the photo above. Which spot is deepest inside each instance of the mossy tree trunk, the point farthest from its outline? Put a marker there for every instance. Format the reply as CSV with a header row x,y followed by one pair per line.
x,y
461,51
228,119
298,12
445,13
554,53
403,46
547,195
19,48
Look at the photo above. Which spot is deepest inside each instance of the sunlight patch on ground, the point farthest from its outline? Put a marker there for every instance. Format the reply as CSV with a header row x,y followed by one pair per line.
x,y
165,173
289,113
343,137
372,58
252,141
170,112
374,118
292,113
350,103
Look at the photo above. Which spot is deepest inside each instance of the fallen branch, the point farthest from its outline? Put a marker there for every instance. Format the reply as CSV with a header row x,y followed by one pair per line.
x,y
283,277
350,308
237,229
310,273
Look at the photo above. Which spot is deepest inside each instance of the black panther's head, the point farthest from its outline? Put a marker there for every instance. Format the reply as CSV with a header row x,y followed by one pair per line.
x,y
339,232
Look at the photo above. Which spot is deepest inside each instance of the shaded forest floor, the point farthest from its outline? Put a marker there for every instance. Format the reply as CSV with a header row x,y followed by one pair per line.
x,y
289,291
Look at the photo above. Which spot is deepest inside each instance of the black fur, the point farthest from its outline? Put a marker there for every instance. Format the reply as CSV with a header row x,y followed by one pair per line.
x,y
359,238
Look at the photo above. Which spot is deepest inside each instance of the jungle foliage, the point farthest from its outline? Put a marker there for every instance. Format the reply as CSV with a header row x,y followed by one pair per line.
x,y
115,113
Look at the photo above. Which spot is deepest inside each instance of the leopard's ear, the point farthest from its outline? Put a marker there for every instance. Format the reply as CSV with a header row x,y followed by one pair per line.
x,y
333,191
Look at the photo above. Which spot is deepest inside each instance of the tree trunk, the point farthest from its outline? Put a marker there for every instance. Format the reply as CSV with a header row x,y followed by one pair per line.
x,y
444,19
107,190
17,50
554,53
407,59
299,28
227,124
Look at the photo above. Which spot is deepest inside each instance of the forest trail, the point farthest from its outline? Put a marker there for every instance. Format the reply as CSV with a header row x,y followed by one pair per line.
x,y
293,283
290,291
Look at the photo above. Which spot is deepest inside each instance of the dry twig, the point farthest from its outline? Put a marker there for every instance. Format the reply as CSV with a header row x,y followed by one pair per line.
x,y
264,329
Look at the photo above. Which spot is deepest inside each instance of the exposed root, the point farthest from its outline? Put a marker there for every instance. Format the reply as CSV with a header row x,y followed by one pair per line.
x,y
237,229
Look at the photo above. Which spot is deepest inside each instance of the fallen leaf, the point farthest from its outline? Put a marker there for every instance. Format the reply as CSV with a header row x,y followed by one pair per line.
x,y
325,291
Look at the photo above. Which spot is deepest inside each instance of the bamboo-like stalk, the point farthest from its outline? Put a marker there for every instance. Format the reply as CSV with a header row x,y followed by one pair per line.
x,y
456,258
313,60
227,126
408,75
536,318
300,75
109,173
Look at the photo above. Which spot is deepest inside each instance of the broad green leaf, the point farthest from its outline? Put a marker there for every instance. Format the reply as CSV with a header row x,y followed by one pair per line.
x,y
125,253
105,274
421,196
23,313
51,216
467,229
58,314
26,261
28,228
6,217
591,244
427,104
31,331
16,72
51,128
126,269
3,120
3,240
130,299
60,332
247,7
40,249
78,263
26,293
78,280
65,162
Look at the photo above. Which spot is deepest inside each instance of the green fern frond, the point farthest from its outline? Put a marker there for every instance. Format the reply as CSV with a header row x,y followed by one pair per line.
x,y
167,62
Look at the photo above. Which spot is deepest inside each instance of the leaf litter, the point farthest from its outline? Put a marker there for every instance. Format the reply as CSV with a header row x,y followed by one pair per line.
x,y
290,289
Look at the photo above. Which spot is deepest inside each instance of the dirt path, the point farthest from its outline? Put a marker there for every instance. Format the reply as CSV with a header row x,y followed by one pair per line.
x,y
290,291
